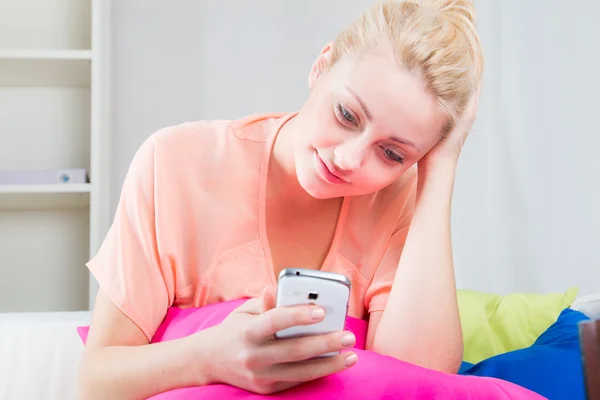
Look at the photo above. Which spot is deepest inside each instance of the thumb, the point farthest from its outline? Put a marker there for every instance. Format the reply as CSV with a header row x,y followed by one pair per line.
x,y
269,298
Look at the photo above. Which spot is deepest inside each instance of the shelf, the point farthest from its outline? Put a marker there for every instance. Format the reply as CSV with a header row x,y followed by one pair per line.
x,y
23,67
28,54
43,197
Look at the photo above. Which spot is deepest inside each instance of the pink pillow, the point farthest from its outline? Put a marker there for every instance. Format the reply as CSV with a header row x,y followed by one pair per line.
x,y
375,376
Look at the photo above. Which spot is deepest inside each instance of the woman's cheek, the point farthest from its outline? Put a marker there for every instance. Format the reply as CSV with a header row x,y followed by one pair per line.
x,y
371,178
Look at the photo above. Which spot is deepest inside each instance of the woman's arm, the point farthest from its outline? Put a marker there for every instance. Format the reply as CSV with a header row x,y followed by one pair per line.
x,y
420,323
118,362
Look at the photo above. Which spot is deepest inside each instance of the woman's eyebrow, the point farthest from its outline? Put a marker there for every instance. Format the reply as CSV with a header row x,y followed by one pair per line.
x,y
403,141
361,103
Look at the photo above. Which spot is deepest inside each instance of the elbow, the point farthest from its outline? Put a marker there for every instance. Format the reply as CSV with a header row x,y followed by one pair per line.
x,y
86,384
84,388
455,351
446,360
451,365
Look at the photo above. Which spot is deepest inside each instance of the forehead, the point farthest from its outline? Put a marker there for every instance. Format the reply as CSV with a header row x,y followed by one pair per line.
x,y
397,99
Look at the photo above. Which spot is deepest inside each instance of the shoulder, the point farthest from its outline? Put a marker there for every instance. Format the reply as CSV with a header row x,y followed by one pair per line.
x,y
192,151
203,135
189,135
206,139
258,127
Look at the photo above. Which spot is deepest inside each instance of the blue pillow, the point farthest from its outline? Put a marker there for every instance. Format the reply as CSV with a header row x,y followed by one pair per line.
x,y
464,367
551,367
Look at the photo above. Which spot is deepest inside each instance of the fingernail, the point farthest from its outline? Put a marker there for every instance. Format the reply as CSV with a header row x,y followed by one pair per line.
x,y
348,339
351,360
317,313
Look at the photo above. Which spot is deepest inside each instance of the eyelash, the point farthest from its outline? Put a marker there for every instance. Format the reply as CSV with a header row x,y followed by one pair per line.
x,y
390,155
345,117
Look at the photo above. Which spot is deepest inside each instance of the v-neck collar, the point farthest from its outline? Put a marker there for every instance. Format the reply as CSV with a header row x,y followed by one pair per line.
x,y
262,206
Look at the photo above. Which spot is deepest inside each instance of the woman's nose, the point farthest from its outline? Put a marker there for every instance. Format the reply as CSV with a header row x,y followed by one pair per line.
x,y
349,156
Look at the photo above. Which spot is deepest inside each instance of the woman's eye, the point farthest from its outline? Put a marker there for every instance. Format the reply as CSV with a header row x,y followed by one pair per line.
x,y
393,156
345,114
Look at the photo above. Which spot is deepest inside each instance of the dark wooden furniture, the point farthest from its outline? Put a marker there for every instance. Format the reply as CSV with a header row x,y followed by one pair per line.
x,y
589,334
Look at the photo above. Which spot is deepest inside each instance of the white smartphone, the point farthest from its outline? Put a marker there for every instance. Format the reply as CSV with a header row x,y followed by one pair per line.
x,y
331,291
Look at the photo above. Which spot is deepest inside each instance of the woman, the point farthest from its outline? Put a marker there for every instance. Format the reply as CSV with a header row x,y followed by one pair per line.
x,y
212,211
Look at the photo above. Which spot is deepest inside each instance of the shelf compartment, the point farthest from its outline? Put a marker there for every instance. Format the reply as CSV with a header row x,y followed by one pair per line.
x,y
45,128
43,260
45,24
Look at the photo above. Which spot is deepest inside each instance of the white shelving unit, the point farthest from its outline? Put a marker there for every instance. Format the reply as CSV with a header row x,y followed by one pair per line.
x,y
54,114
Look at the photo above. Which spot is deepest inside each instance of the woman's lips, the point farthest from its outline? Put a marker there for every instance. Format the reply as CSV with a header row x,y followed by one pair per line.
x,y
326,172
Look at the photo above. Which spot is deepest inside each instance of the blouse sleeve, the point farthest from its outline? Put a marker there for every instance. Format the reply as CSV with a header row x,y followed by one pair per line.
x,y
127,266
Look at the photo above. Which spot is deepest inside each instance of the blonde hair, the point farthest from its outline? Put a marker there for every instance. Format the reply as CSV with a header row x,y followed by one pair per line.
x,y
436,39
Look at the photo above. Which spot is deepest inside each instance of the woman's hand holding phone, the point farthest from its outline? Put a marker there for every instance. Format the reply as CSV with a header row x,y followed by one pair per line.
x,y
245,353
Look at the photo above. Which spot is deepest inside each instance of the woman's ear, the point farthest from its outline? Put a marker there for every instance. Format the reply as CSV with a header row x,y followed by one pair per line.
x,y
320,65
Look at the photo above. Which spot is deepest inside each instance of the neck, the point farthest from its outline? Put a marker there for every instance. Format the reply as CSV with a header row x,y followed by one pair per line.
x,y
282,180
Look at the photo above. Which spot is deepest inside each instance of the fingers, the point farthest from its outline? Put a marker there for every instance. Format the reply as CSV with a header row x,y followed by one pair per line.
x,y
269,297
257,306
272,321
252,306
300,349
314,369
284,376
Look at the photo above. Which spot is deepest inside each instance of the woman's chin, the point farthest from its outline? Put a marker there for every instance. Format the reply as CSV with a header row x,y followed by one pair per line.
x,y
314,188
317,192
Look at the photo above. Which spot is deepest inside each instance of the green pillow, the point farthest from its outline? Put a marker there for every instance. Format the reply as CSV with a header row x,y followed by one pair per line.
x,y
494,324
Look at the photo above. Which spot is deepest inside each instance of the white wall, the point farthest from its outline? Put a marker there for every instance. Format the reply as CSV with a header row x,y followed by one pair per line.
x,y
525,213
191,60
526,205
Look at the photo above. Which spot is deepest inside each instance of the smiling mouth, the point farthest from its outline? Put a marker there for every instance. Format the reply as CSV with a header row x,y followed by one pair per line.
x,y
326,172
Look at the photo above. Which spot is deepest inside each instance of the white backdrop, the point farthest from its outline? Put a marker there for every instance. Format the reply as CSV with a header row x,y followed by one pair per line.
x,y
525,214
526,206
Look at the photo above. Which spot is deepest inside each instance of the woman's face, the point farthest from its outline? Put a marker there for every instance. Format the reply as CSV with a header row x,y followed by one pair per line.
x,y
365,123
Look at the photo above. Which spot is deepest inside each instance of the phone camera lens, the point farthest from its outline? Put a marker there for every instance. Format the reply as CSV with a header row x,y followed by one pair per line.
x,y
297,273
313,295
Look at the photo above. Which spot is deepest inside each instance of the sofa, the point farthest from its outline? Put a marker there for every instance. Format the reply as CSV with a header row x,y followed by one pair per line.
x,y
40,352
